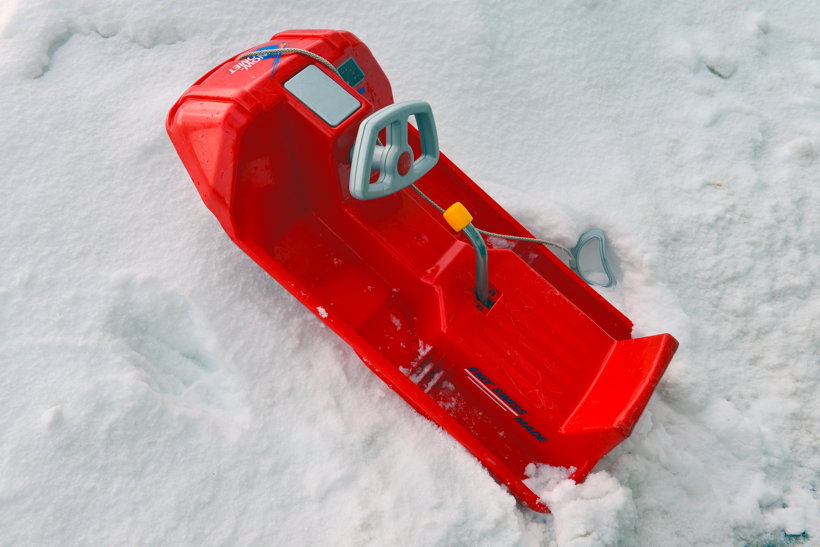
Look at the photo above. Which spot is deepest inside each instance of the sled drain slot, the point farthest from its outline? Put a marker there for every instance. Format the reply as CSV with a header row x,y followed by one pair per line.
x,y
427,374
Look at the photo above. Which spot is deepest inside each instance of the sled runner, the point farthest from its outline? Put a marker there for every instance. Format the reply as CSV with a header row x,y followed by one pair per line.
x,y
308,168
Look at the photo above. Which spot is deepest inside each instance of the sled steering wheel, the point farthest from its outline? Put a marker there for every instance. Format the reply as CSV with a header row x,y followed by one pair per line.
x,y
394,161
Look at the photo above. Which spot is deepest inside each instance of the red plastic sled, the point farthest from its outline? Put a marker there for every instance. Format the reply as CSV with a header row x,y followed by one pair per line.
x,y
549,373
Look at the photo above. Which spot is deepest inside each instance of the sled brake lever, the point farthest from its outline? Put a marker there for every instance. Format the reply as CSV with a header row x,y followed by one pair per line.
x,y
460,219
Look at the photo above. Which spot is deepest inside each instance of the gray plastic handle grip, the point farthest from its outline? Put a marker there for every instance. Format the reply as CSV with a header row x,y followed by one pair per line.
x,y
368,154
586,237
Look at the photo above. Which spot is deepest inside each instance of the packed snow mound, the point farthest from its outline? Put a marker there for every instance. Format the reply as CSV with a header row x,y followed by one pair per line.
x,y
596,512
159,388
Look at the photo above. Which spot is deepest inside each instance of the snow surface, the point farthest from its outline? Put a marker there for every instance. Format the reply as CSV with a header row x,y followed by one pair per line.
x,y
159,388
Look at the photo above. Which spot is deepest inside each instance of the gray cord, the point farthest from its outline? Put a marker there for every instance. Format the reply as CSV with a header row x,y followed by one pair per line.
x,y
534,240
504,236
329,65
286,51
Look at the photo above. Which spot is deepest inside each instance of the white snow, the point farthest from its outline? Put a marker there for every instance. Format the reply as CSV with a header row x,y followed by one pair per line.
x,y
158,387
596,512
396,322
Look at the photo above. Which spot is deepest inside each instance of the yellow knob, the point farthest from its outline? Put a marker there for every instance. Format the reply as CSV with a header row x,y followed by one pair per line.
x,y
457,216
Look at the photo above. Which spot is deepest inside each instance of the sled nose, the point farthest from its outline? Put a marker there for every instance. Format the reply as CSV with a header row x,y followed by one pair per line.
x,y
207,150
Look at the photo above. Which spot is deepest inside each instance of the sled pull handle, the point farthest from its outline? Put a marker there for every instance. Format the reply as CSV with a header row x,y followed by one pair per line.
x,y
394,161
460,219
586,237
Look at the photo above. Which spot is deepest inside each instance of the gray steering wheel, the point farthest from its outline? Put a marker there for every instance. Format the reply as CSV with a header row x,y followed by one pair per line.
x,y
394,161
